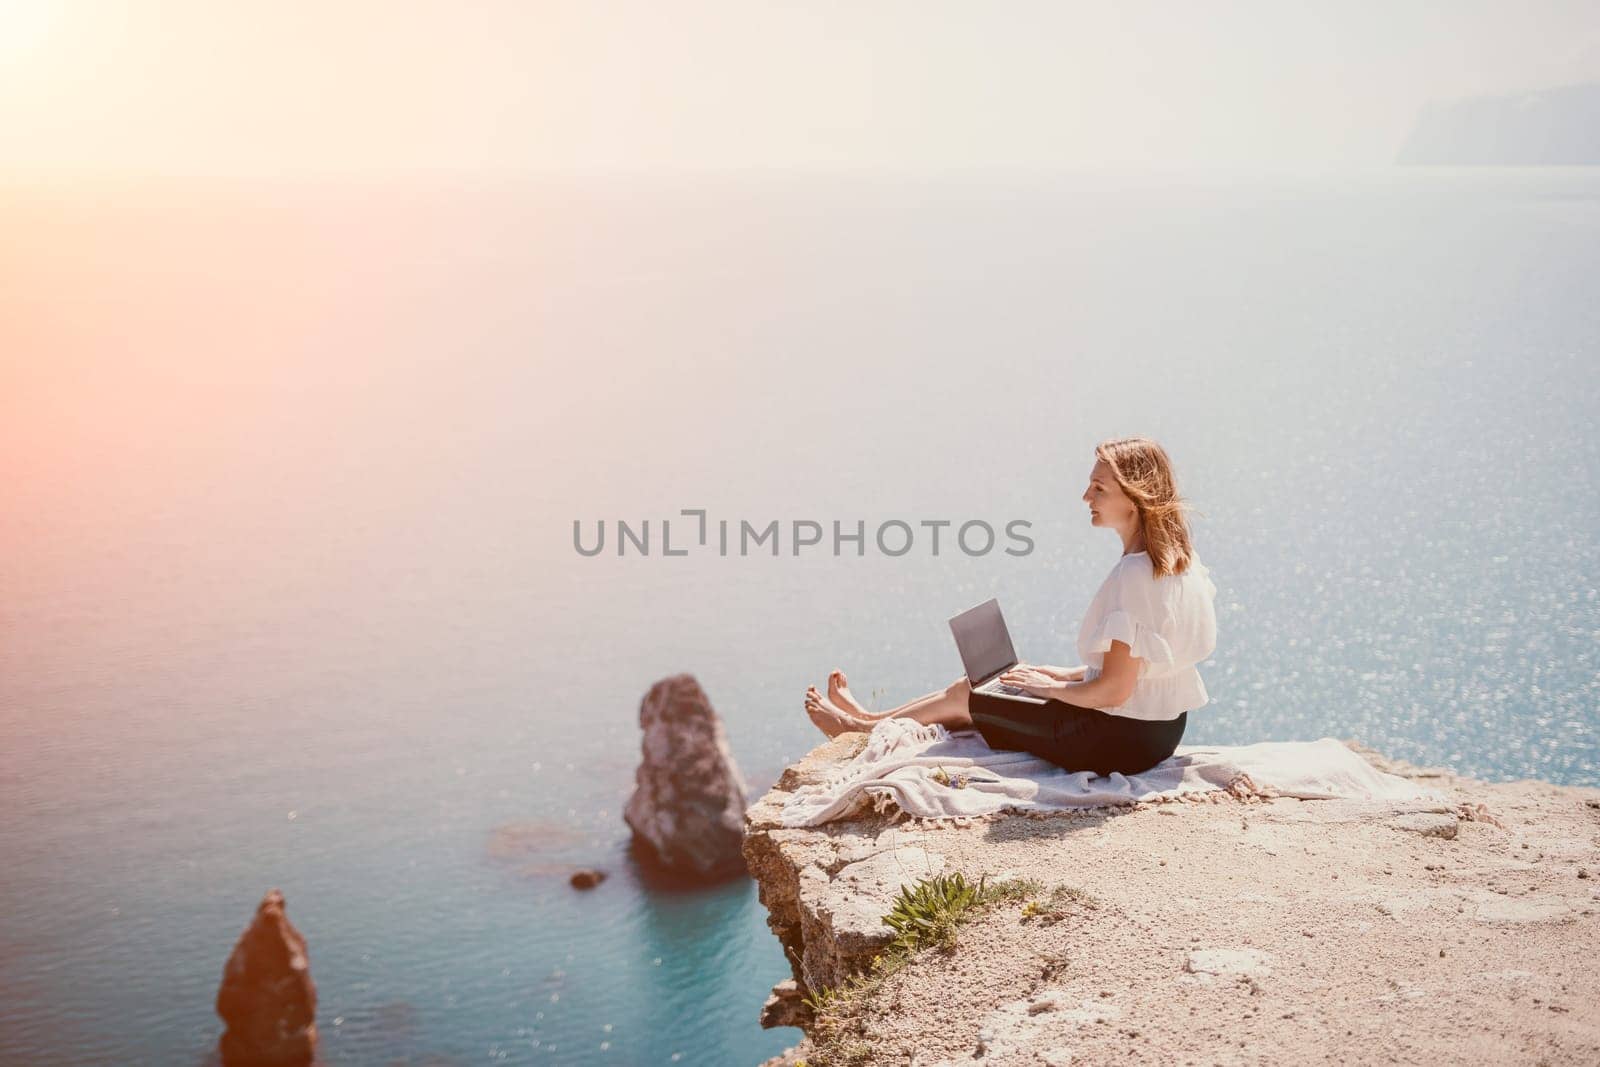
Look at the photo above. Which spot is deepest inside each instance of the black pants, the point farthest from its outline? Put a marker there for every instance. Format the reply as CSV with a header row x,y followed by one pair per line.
x,y
1074,738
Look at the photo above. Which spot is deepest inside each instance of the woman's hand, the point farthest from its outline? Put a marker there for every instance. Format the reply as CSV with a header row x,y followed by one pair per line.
x,y
1031,680
1061,674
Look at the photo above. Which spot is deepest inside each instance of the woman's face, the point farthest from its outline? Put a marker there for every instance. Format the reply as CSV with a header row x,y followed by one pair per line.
x,y
1108,505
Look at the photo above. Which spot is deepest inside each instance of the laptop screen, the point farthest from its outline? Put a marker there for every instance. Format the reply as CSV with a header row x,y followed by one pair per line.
x,y
984,643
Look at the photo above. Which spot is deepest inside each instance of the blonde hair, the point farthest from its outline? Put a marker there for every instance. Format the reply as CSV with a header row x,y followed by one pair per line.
x,y
1144,473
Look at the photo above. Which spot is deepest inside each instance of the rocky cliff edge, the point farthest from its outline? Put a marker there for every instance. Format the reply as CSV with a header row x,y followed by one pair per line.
x,y
1244,930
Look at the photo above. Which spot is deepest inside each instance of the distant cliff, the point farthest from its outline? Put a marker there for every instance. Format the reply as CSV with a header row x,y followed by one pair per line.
x,y
1548,127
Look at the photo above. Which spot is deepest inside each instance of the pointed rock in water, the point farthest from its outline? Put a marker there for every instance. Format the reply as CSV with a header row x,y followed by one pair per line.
x,y
267,998
689,801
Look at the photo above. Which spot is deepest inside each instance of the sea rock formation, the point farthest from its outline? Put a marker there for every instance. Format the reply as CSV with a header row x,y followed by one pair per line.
x,y
688,804
1250,930
267,997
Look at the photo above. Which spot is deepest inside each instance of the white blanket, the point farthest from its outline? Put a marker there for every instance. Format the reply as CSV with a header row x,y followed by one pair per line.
x,y
929,772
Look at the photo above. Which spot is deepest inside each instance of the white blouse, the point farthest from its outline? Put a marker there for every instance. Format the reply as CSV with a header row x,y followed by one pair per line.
x,y
1169,625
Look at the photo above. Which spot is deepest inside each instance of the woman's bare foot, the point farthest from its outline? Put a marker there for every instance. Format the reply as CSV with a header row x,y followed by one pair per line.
x,y
839,693
829,717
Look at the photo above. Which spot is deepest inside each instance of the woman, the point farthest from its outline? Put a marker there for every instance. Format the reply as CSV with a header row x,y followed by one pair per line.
x,y
1150,623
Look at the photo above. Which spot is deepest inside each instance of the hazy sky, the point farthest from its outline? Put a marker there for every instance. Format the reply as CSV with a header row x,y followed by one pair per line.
x,y
288,85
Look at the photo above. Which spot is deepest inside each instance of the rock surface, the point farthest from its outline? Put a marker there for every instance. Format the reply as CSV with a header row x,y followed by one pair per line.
x,y
688,804
267,998
1257,930
784,1007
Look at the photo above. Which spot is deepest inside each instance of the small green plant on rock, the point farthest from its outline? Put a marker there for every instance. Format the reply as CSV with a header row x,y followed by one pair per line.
x,y
1055,909
838,1013
1071,894
929,912
1013,889
856,1052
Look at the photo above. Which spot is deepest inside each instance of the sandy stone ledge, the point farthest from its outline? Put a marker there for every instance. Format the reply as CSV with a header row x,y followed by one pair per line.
x,y
1244,930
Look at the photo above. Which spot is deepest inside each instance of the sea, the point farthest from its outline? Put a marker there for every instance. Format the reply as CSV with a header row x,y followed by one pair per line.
x,y
297,471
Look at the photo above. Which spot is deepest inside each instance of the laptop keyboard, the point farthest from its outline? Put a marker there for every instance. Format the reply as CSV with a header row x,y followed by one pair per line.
x,y
1009,690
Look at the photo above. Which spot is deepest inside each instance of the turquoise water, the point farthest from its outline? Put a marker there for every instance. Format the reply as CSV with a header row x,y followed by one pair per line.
x,y
288,594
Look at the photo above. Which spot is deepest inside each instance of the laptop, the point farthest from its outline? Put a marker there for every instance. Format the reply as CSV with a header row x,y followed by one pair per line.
x,y
987,653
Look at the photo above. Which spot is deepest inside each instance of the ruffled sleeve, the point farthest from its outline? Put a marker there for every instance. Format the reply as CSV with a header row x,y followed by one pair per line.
x,y
1143,641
